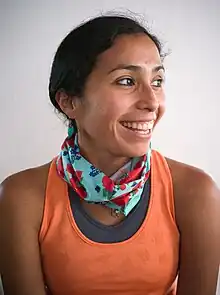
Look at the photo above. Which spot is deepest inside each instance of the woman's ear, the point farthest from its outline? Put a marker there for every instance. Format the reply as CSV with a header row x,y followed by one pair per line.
x,y
66,103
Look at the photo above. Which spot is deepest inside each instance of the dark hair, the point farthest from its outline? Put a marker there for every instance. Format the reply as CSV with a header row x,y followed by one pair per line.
x,y
77,54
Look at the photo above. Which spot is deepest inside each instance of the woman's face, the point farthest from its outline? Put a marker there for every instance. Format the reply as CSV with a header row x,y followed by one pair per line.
x,y
123,98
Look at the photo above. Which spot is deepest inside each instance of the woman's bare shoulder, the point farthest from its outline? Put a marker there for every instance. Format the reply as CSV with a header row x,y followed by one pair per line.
x,y
184,175
21,212
197,207
33,176
191,185
24,190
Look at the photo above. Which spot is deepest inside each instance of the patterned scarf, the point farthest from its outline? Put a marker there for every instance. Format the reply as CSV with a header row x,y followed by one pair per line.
x,y
121,192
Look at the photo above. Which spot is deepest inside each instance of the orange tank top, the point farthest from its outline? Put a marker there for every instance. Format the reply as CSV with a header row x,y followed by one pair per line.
x,y
146,263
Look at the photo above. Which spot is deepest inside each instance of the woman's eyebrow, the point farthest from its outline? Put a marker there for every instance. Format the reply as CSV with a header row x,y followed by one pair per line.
x,y
135,68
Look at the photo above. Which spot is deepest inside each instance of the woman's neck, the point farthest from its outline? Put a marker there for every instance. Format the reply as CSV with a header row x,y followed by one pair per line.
x,y
104,161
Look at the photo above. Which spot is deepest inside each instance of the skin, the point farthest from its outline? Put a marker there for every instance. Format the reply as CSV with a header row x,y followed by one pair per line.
x,y
111,97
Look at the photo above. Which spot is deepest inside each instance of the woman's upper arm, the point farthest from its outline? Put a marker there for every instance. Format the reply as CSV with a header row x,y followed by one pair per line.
x,y
198,217
20,216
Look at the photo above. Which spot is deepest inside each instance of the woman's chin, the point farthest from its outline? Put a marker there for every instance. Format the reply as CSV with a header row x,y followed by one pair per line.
x,y
137,150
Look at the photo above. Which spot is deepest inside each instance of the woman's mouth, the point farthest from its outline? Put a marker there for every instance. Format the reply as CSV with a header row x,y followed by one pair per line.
x,y
142,128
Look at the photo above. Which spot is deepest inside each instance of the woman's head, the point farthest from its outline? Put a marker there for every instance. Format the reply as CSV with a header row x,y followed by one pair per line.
x,y
107,76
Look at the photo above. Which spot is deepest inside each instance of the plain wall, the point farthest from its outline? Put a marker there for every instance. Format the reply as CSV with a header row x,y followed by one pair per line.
x,y
31,133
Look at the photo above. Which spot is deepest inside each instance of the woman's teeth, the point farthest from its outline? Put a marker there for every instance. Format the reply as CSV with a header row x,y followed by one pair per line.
x,y
143,128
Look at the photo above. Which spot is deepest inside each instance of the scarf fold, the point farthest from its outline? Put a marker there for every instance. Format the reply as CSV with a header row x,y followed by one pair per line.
x,y
122,191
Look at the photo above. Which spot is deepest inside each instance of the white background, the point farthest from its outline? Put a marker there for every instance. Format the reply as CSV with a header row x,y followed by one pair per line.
x,y
30,131
30,31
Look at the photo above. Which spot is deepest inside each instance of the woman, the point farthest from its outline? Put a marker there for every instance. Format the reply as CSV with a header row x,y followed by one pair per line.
x,y
109,215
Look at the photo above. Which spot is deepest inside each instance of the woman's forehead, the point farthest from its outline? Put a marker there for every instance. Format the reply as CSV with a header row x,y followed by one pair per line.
x,y
138,50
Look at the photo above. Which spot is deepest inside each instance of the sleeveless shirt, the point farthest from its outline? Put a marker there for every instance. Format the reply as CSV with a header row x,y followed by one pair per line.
x,y
145,263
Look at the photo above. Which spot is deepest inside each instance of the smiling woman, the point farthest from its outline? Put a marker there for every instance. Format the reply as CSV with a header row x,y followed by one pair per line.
x,y
109,215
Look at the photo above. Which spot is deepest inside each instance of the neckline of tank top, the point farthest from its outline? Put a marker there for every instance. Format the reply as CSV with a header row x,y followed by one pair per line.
x,y
142,204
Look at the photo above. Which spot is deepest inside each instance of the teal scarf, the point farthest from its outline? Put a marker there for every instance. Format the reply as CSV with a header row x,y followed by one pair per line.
x,y
122,191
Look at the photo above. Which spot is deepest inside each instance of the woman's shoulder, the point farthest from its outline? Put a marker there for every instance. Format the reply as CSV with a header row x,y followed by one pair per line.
x,y
189,179
24,192
21,213
197,207
194,190
31,176
29,181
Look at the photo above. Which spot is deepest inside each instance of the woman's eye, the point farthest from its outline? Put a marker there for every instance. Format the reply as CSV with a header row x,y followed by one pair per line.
x,y
158,82
126,82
